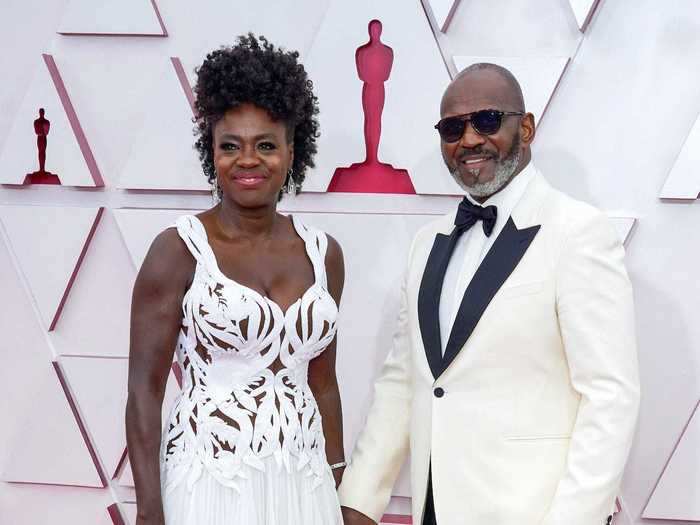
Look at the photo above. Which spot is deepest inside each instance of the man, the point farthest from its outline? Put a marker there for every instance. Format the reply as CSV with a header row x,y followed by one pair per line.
x,y
513,377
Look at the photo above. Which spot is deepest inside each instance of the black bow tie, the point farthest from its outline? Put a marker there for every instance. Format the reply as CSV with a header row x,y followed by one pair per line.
x,y
468,213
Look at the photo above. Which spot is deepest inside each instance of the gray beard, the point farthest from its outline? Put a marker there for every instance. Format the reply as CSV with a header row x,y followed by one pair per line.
x,y
504,172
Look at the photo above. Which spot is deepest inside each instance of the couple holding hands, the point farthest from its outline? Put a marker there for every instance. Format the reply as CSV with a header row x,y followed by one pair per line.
x,y
512,380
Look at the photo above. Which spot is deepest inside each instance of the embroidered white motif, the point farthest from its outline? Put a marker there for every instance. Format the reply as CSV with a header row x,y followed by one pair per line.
x,y
234,410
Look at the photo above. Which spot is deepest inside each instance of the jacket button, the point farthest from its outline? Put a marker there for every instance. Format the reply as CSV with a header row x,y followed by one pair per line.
x,y
439,392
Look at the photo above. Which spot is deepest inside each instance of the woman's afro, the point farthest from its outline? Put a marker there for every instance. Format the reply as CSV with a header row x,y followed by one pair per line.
x,y
255,71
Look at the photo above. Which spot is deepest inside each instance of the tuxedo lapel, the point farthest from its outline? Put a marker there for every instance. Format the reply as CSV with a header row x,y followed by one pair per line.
x,y
499,263
429,303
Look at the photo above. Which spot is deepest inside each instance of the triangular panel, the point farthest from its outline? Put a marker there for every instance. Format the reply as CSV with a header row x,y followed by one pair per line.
x,y
49,446
683,181
95,318
167,126
28,504
68,154
49,244
123,18
538,76
677,495
583,11
140,227
443,11
623,226
100,389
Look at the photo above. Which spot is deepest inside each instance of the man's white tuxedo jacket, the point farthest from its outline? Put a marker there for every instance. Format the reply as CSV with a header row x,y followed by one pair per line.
x,y
529,416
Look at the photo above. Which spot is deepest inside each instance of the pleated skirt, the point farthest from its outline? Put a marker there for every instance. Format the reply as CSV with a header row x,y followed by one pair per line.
x,y
274,496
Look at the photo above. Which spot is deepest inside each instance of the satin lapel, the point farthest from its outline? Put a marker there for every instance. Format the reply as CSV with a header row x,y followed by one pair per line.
x,y
429,303
499,263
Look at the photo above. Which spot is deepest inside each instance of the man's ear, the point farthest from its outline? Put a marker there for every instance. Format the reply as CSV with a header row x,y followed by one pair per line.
x,y
527,128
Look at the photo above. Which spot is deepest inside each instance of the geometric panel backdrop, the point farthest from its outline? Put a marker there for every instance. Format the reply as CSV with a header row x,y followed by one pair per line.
x,y
614,91
126,17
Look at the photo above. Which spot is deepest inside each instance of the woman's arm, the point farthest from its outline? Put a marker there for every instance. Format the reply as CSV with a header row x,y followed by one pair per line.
x,y
156,316
322,378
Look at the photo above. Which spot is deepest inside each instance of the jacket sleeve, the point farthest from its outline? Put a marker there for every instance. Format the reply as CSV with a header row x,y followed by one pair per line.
x,y
596,319
383,444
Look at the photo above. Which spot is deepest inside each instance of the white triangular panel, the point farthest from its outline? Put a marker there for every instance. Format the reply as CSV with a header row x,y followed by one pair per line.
x,y
99,387
167,126
140,227
49,243
623,226
29,504
64,156
683,181
443,10
129,512
583,10
412,93
125,17
49,446
538,76
95,317
677,495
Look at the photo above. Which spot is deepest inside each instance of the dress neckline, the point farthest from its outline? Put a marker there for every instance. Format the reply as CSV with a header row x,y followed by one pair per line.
x,y
214,266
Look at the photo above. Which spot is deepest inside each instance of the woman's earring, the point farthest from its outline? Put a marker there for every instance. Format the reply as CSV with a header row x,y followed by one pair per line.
x,y
215,190
290,186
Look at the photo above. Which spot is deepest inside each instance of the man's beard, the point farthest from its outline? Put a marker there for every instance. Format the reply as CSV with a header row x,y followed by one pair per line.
x,y
504,171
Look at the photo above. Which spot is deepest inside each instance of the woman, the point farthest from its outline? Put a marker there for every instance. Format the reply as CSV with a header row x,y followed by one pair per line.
x,y
248,298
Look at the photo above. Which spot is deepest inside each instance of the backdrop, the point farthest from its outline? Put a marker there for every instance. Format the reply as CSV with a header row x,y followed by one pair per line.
x,y
613,85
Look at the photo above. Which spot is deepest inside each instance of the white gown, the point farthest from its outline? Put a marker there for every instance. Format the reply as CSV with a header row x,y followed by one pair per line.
x,y
243,444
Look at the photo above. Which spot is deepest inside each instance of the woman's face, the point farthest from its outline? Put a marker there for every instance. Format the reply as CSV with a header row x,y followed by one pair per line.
x,y
251,156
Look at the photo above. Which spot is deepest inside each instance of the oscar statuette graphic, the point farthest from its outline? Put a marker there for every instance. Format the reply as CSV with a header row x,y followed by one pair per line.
x,y
374,60
41,128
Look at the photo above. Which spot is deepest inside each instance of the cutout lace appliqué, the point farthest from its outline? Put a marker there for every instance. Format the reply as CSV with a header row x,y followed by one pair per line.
x,y
234,410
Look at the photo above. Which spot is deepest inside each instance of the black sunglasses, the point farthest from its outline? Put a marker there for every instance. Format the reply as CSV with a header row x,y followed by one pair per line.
x,y
484,122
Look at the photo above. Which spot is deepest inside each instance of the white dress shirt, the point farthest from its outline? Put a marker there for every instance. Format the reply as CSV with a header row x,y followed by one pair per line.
x,y
471,249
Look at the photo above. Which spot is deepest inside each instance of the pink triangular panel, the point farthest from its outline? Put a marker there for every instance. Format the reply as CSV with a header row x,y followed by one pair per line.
x,y
23,504
99,387
49,244
49,446
129,513
95,318
68,154
140,227
169,109
123,18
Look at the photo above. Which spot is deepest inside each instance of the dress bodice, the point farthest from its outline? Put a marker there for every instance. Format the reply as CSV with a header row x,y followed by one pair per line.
x,y
235,409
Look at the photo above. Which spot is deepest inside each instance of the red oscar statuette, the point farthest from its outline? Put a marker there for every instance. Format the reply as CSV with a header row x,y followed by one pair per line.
x,y
41,128
374,61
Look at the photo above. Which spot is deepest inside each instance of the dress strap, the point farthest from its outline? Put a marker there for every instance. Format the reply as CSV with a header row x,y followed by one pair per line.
x,y
316,243
193,234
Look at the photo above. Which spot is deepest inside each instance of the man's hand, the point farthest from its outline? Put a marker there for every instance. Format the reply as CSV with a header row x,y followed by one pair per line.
x,y
353,517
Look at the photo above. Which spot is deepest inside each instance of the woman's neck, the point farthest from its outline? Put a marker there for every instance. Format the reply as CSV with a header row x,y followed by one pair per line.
x,y
249,222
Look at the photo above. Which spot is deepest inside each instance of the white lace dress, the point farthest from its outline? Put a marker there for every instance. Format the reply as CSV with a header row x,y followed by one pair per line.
x,y
244,444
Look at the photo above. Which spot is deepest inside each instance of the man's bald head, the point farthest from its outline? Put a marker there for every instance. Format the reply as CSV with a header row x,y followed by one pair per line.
x,y
490,80
484,163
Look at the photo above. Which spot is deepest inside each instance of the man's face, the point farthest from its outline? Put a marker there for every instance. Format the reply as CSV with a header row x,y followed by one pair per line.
x,y
484,164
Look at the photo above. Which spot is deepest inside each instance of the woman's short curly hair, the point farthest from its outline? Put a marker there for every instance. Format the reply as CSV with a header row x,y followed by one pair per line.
x,y
255,71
